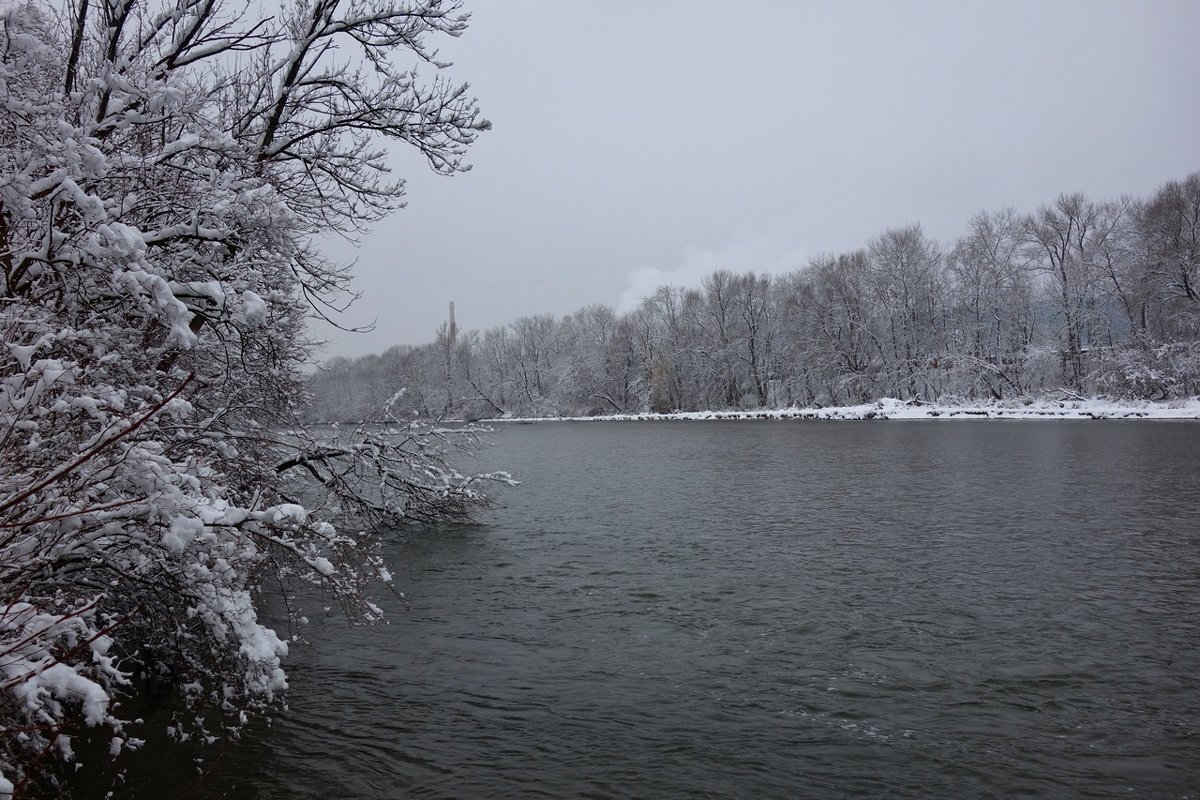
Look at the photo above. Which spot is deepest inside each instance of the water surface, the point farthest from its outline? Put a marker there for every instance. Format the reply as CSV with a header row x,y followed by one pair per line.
x,y
775,609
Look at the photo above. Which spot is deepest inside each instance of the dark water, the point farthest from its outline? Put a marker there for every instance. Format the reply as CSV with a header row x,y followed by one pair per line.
x,y
788,609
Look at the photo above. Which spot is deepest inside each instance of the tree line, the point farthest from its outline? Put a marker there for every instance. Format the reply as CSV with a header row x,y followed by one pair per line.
x,y
1082,297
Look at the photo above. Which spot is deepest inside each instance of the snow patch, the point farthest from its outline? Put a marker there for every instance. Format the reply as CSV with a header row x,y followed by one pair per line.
x,y
891,408
183,531
321,565
254,310
288,512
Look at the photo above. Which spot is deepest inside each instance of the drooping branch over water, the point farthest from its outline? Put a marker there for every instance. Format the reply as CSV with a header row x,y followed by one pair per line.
x,y
164,165
1079,298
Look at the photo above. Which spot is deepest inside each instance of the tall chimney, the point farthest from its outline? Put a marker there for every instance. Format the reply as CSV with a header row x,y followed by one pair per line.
x,y
453,327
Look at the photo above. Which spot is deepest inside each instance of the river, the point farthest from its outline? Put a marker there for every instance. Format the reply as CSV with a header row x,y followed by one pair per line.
x,y
771,610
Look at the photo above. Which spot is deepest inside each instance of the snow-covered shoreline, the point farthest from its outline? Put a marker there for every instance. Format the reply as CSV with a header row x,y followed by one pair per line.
x,y
889,408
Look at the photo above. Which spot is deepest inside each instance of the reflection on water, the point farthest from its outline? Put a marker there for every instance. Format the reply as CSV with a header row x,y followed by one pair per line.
x,y
750,609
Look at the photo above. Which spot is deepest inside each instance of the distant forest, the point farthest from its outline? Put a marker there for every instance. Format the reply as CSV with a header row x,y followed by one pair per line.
x,y
1077,298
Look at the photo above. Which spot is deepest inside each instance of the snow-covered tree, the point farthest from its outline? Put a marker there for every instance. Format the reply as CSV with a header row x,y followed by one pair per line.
x,y
164,168
1081,296
992,327
1168,235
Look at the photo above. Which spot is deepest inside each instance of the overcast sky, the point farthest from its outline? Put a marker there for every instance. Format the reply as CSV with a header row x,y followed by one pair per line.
x,y
638,143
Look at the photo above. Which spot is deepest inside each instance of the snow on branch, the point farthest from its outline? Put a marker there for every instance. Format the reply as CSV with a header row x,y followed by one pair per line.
x,y
165,168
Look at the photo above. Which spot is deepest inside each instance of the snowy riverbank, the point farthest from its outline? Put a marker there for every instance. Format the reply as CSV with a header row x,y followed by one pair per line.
x,y
898,409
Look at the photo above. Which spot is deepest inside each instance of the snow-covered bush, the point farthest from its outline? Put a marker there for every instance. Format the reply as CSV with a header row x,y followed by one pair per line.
x,y
163,168
1149,370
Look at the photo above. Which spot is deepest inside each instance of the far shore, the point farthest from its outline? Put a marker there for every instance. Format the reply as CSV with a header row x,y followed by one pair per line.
x,y
888,408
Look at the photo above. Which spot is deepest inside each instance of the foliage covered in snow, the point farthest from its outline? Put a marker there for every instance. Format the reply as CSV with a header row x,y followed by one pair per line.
x,y
164,166
1098,298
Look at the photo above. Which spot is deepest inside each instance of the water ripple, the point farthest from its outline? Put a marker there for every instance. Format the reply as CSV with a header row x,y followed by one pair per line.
x,y
742,610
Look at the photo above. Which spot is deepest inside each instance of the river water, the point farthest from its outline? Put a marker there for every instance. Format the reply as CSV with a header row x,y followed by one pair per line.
x,y
773,609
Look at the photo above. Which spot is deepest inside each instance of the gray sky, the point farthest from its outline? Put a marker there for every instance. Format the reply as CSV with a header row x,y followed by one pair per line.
x,y
637,144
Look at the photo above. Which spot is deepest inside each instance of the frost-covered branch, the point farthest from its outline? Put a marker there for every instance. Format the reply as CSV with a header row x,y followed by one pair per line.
x,y
164,166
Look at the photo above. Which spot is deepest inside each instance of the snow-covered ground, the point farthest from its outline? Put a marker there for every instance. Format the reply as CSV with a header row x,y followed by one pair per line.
x,y
898,409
